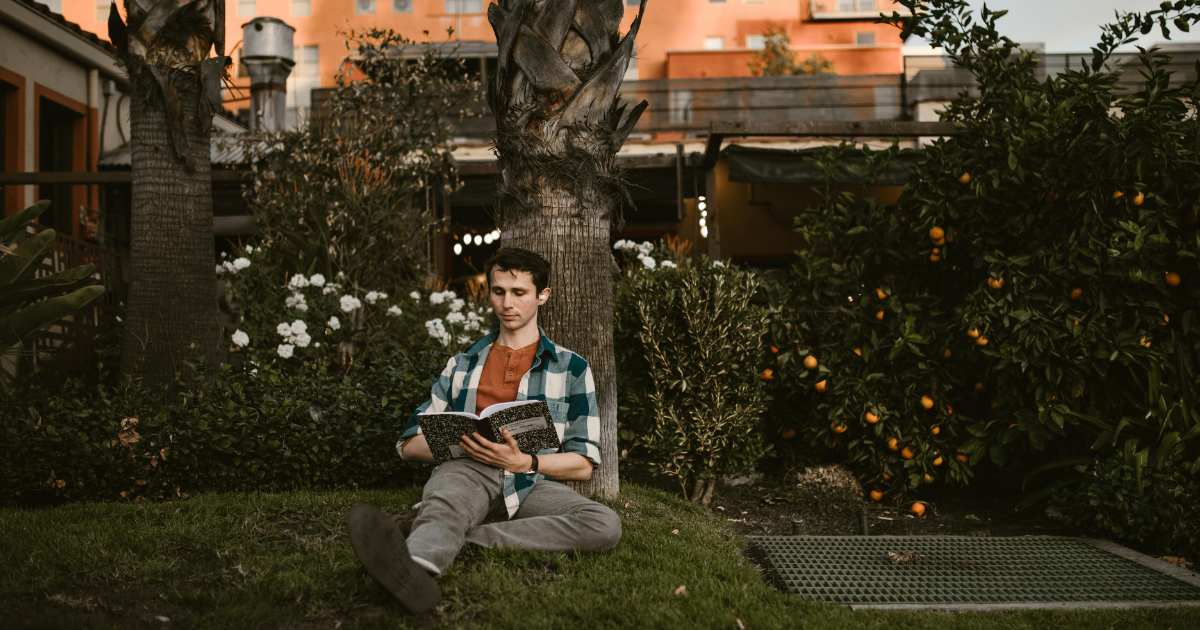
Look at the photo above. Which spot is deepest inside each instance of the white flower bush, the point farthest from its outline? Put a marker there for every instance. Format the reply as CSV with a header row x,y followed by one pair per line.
x,y
650,257
240,339
394,311
285,350
350,303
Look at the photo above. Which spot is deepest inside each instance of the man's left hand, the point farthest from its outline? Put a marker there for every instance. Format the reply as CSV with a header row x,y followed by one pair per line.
x,y
507,456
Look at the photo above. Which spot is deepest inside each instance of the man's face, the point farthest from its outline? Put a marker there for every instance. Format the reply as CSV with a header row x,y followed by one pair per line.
x,y
514,298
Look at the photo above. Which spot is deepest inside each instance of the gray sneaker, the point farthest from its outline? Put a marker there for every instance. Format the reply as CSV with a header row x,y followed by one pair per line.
x,y
381,549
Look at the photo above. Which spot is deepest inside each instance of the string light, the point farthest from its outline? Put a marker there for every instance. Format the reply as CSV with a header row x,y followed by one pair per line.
x,y
704,231
478,240
702,205
457,249
703,223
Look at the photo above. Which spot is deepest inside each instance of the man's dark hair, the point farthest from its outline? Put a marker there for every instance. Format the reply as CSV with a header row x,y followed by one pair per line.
x,y
515,259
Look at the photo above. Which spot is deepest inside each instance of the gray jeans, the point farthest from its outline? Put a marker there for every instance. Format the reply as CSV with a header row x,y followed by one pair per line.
x,y
462,492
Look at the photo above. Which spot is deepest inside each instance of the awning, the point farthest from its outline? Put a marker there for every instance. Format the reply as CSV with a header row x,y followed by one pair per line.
x,y
787,166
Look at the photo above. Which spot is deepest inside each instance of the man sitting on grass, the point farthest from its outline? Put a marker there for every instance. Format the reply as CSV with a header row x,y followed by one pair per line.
x,y
516,362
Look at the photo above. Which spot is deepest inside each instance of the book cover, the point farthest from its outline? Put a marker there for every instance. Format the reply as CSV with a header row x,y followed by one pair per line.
x,y
529,422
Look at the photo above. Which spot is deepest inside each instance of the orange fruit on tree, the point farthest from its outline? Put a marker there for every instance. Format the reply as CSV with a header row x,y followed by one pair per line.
x,y
962,458
768,374
982,341
1166,320
893,444
858,351
918,509
937,462
936,250
935,430
1173,278
995,283
995,405
1138,199
928,478
940,241
978,387
1145,343
949,410
879,315
1117,194
886,476
838,429
788,434
1077,322
934,258
810,362
965,178
774,350
820,386
907,453
872,418
880,294
936,232
876,495
972,333
946,353
927,402
1075,293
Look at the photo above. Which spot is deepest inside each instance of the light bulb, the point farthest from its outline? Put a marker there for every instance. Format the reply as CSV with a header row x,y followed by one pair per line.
x,y
487,238
495,234
702,205
704,231
704,213
701,197
703,223
457,249
478,240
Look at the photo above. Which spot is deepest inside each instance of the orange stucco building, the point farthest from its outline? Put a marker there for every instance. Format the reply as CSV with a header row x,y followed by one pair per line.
x,y
680,39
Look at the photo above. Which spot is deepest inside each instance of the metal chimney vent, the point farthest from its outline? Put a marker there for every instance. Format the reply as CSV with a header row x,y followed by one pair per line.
x,y
267,54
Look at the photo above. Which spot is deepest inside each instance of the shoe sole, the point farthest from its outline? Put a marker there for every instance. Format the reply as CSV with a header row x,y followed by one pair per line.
x,y
382,551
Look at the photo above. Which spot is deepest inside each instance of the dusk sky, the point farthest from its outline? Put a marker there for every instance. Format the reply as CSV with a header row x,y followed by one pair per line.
x,y
1068,25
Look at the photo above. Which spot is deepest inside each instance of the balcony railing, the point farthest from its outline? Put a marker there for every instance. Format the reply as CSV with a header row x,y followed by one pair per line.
x,y
853,9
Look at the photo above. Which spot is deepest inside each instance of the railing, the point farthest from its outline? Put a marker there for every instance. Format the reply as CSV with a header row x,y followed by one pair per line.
x,y
76,333
853,9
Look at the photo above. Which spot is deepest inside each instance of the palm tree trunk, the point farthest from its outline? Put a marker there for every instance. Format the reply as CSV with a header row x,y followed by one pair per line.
x,y
558,129
171,312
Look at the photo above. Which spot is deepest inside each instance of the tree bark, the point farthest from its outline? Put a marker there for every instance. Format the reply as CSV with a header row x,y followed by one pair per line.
x,y
558,129
171,313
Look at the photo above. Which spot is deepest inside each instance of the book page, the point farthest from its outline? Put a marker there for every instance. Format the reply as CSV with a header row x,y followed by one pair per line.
x,y
451,413
505,405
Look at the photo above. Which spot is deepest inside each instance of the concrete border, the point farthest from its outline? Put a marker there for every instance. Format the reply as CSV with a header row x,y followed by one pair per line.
x,y
1161,566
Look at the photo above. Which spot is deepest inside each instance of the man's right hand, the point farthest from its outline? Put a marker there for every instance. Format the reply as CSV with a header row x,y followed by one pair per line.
x,y
416,449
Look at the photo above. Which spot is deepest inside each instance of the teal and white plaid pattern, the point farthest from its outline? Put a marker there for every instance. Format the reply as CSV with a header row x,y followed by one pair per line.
x,y
558,376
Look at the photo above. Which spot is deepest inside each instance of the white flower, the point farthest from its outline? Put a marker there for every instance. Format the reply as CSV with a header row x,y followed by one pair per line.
x,y
317,280
334,323
455,318
299,327
438,331
302,307
302,340
295,300
298,281
240,339
241,263
220,270
717,263
667,263
463,339
285,350
333,288
436,298
317,344
349,303
414,295
249,250
382,295
229,267
647,262
284,329
471,325
394,310
370,297
341,275
457,304
254,371
222,254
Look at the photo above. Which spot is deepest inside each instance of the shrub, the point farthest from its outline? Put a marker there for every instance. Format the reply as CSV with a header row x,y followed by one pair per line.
x,y
1157,508
688,340
253,427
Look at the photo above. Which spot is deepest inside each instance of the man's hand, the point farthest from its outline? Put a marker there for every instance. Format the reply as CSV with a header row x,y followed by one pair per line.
x,y
507,456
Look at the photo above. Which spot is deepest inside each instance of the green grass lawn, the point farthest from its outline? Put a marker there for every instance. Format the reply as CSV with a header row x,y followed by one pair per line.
x,y
283,561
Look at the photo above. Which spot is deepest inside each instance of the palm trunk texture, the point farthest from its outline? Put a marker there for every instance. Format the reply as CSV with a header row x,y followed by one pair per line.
x,y
559,127
171,313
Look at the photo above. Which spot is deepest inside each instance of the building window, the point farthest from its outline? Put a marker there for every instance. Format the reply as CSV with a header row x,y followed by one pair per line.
x,y
102,10
246,8
364,7
754,1
307,60
401,6
756,42
716,42
301,7
864,39
464,6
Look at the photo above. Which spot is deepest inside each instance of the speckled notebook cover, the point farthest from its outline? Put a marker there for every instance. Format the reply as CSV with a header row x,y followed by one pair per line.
x,y
531,425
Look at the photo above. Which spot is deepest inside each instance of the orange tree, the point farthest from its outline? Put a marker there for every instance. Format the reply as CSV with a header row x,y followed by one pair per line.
x,y
1034,288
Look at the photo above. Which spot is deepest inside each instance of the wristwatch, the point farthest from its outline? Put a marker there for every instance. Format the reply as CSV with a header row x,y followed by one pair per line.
x,y
532,466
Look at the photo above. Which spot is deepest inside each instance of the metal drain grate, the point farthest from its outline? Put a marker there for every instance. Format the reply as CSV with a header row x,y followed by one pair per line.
x,y
972,572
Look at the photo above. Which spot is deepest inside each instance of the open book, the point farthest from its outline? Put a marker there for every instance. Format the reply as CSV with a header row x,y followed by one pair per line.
x,y
528,421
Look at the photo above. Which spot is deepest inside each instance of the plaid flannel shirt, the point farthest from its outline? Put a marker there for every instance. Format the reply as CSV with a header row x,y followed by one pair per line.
x,y
558,376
